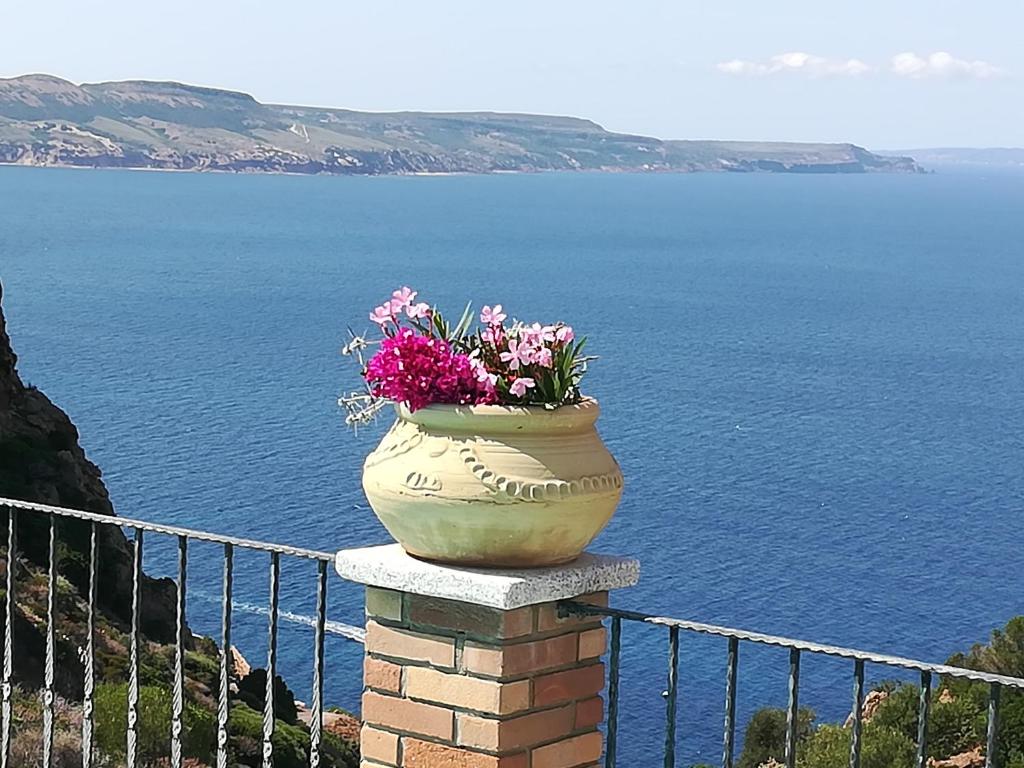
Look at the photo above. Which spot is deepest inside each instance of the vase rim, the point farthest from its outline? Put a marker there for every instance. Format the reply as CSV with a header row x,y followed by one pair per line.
x,y
500,418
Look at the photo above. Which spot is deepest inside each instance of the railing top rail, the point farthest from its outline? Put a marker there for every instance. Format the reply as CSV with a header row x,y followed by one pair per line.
x,y
170,530
801,645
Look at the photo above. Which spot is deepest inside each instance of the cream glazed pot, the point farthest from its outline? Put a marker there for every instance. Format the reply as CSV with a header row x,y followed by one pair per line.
x,y
494,485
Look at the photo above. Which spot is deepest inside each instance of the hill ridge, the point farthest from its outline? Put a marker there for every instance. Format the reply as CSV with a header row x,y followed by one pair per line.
x,y
49,121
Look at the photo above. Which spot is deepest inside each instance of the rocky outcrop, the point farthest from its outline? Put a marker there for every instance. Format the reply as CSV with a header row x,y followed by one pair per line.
x,y
41,461
869,707
972,758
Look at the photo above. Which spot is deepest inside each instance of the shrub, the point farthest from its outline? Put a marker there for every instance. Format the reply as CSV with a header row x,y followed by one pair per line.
x,y
199,736
882,747
765,737
291,743
27,736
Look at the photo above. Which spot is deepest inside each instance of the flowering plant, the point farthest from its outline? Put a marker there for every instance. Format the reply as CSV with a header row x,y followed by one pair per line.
x,y
421,359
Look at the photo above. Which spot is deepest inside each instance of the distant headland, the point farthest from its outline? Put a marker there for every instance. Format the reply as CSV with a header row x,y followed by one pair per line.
x,y
48,121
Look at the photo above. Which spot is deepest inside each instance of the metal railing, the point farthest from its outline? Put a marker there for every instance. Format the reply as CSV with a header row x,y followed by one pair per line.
x,y
796,649
15,509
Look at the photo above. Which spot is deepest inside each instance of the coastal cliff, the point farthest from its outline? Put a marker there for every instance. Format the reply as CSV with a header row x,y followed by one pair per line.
x,y
41,460
47,121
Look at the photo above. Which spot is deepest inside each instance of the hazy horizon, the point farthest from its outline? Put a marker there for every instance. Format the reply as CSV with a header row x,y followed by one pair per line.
x,y
932,74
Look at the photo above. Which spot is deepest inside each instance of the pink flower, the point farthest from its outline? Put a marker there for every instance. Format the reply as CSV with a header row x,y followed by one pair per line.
x,y
539,334
516,354
494,335
495,316
564,334
401,299
542,357
415,311
519,386
382,314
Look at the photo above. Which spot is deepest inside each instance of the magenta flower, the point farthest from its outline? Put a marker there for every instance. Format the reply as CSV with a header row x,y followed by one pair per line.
x,y
492,316
382,315
418,370
519,386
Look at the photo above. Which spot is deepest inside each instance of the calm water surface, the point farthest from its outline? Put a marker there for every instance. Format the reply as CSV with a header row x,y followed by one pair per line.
x,y
814,385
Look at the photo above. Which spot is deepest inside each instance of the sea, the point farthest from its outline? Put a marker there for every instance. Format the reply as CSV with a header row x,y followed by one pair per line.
x,y
814,386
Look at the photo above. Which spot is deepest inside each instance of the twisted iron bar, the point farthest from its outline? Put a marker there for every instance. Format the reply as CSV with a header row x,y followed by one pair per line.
x,y
132,734
51,642
6,708
268,701
178,694
89,660
317,719
225,660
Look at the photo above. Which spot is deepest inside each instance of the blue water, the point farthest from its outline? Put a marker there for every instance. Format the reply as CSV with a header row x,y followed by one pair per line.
x,y
814,385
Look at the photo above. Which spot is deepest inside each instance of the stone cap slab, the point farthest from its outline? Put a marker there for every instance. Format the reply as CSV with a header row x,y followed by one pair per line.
x,y
389,567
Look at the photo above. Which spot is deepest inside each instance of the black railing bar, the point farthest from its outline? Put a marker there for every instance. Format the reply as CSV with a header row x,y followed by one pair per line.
x,y
170,530
858,713
923,709
178,693
134,655
801,645
672,697
269,717
793,708
992,730
89,660
51,646
316,720
7,707
614,661
729,730
226,659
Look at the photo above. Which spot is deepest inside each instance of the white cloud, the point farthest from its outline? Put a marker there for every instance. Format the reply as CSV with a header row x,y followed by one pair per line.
x,y
797,62
941,64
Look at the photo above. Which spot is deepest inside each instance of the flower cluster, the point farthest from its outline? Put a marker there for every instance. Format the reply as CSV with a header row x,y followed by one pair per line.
x,y
418,370
422,359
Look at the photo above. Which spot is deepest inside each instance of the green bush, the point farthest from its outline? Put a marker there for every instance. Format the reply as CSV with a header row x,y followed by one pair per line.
x,y
199,736
765,737
291,743
881,747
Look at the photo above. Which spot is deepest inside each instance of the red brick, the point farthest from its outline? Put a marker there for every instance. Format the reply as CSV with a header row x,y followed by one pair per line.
x,y
408,716
382,675
570,753
570,685
593,643
474,620
425,754
466,692
402,644
378,745
518,659
515,733
589,713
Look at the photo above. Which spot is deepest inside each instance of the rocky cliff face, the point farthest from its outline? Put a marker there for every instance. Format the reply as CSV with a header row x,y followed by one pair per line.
x,y
41,461
138,124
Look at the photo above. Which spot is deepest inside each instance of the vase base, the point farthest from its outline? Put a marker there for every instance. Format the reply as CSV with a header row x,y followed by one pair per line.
x,y
498,563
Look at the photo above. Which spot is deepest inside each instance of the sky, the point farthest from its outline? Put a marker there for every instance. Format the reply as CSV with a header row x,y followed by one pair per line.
x,y
886,75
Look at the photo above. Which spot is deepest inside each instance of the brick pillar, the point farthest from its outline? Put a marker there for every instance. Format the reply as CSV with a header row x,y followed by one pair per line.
x,y
457,683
